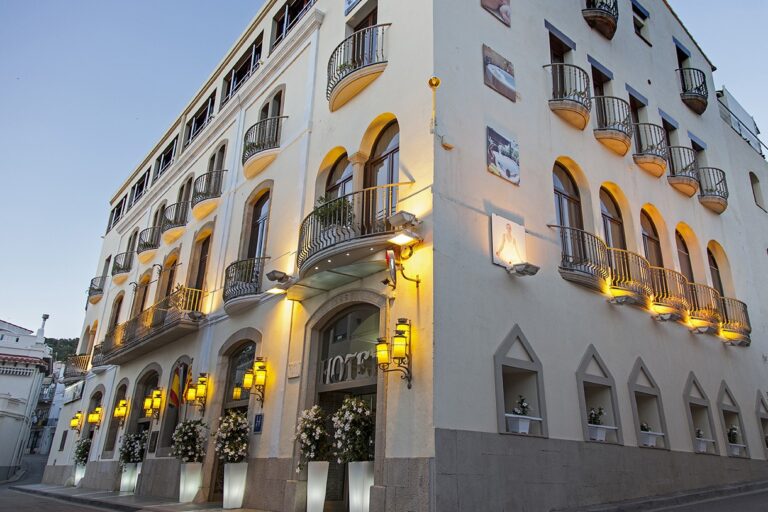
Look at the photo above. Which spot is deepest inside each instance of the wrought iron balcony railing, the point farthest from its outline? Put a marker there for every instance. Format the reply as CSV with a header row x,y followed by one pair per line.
x,y
149,240
650,140
207,186
289,22
243,278
694,90
671,293
76,367
364,48
96,287
569,83
610,7
98,356
122,263
736,324
262,136
705,305
584,257
613,114
712,183
630,275
175,216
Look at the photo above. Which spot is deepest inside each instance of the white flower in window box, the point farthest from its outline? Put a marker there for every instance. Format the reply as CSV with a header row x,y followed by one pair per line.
x,y
519,422
648,437
597,431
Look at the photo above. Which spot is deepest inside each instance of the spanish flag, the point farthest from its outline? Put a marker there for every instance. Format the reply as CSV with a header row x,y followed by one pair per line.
x,y
173,396
187,384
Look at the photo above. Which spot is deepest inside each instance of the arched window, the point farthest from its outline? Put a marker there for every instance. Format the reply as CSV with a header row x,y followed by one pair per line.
x,y
114,317
157,217
132,240
240,361
382,168
340,179
613,225
216,162
140,295
684,257
185,191
114,423
173,403
144,387
567,199
714,270
257,238
94,402
167,279
651,241
201,253
757,192
272,108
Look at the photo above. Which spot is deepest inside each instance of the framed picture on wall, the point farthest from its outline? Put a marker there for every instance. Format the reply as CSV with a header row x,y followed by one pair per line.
x,y
500,9
499,74
508,242
503,156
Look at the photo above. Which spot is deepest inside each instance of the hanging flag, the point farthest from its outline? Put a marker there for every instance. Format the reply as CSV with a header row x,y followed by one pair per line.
x,y
173,396
187,383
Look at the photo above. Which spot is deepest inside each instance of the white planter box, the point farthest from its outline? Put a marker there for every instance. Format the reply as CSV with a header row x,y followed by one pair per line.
x,y
517,424
735,450
234,484
190,480
317,481
360,482
129,476
598,432
649,439
702,445
79,474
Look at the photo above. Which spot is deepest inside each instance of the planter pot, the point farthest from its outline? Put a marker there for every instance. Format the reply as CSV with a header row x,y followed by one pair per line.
x,y
79,474
701,445
190,481
360,482
518,424
317,480
734,450
234,484
649,439
597,433
129,476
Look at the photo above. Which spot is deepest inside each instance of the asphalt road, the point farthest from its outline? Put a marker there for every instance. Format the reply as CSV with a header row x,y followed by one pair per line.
x,y
751,502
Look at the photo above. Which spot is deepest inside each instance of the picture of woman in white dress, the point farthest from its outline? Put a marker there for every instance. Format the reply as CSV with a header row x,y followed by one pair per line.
x,y
500,9
508,242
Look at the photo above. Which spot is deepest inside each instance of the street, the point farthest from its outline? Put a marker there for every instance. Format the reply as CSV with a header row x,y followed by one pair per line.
x,y
750,502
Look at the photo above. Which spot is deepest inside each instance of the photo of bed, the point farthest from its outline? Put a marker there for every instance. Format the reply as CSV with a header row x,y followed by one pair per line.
x,y
503,156
499,74
500,9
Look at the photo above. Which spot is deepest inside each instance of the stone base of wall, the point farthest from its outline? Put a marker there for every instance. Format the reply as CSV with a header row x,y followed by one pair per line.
x,y
102,474
477,471
267,479
159,478
59,475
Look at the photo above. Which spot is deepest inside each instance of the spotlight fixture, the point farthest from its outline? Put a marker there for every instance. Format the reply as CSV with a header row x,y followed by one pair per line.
x,y
523,270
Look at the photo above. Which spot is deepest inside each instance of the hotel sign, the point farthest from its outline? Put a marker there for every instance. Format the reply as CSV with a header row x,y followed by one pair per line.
x,y
350,368
349,5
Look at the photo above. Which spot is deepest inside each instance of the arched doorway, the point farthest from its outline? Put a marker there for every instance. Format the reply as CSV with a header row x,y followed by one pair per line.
x,y
140,422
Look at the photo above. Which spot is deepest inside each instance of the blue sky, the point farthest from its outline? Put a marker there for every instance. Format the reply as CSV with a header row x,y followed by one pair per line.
x,y
88,86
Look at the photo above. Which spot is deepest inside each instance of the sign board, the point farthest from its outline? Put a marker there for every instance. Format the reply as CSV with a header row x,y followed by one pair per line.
x,y
348,368
508,247
258,423
74,392
349,5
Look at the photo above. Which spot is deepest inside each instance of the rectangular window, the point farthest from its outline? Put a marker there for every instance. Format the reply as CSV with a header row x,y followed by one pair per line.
x,y
139,188
63,440
640,21
287,17
117,212
165,159
242,70
200,119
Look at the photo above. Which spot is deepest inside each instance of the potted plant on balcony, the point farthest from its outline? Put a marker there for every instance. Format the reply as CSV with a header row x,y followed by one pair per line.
x,y
232,447
188,445
648,437
701,443
519,422
82,450
353,445
335,216
595,423
734,448
132,452
313,447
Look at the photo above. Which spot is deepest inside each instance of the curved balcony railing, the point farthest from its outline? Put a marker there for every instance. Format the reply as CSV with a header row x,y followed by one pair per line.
x,y
630,274
735,317
693,82
670,290
354,216
175,216
705,304
262,136
76,366
712,183
122,263
569,83
243,278
207,186
583,253
149,240
98,356
364,48
96,287
682,162
613,114
610,7
650,140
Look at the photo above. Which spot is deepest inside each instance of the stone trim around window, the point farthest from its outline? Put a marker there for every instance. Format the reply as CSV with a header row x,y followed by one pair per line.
x,y
689,400
654,391
607,380
732,408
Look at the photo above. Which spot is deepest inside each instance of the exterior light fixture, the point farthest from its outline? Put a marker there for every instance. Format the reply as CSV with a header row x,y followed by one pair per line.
x,y
197,394
75,422
282,280
396,356
152,404
523,270
248,379
405,236
237,393
94,417
260,379
121,411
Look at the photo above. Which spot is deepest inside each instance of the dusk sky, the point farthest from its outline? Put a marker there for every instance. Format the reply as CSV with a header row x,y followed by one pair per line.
x,y
88,86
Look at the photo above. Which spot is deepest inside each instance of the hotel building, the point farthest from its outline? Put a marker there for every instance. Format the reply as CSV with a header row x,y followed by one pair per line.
x,y
568,222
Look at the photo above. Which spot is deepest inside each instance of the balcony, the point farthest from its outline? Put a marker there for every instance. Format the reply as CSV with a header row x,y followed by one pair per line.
x,y
174,221
705,314
206,193
683,174
242,284
736,326
630,277
671,294
261,145
75,368
168,320
96,289
694,91
121,266
713,189
650,148
355,63
603,16
614,124
98,356
584,258
569,95
149,241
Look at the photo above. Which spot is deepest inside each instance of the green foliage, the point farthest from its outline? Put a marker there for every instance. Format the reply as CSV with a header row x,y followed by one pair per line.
x,y
62,347
353,432
332,211
82,449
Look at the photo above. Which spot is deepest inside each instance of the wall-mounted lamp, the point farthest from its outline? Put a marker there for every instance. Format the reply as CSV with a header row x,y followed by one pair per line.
x,y
121,412
282,281
152,404
254,380
398,352
405,237
94,417
76,421
523,270
197,394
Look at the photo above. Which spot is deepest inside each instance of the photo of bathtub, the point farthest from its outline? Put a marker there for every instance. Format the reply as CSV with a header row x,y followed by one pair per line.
x,y
503,156
499,8
499,73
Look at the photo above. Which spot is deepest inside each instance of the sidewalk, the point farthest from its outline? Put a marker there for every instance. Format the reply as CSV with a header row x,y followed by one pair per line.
x,y
121,501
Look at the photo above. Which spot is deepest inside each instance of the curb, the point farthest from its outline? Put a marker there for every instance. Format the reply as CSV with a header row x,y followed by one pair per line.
x,y
79,500
15,478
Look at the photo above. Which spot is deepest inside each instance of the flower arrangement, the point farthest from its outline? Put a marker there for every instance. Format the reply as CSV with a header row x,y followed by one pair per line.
x,y
189,441
699,433
733,434
522,407
232,437
82,449
595,416
133,447
353,432
645,427
331,211
312,436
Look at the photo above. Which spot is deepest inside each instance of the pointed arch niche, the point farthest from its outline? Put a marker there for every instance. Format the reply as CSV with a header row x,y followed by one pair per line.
x,y
700,424
518,373
647,408
597,388
730,417
761,410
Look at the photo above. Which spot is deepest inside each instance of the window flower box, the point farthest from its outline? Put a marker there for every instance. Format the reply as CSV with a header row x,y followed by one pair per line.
x,y
649,439
702,444
519,424
598,432
736,450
